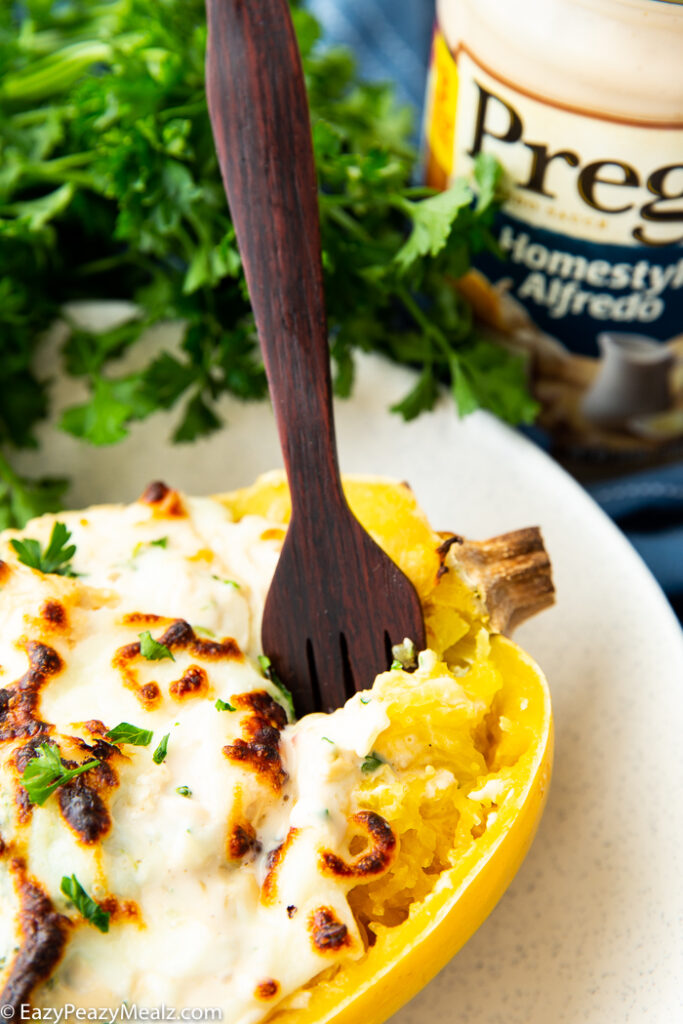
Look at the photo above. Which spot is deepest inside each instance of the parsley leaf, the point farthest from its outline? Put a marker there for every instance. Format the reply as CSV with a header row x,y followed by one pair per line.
x,y
286,700
432,223
54,559
224,705
46,773
160,753
151,649
371,762
184,791
85,905
127,733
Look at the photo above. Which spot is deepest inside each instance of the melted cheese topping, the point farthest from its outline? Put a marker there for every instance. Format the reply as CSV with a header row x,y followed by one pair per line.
x,y
206,890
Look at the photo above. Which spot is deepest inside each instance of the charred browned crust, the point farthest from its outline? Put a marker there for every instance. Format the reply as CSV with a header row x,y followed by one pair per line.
x,y
4,571
328,934
167,503
84,810
121,910
142,619
259,746
19,701
267,989
512,571
273,862
241,841
53,616
193,683
372,862
43,937
179,636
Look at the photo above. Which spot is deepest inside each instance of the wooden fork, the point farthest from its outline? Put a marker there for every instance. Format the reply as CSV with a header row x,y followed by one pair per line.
x,y
337,603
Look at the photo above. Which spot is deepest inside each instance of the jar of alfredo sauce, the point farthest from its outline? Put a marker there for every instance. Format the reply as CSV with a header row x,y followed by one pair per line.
x,y
582,103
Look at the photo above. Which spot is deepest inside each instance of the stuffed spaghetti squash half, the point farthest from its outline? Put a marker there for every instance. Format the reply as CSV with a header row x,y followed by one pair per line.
x,y
171,834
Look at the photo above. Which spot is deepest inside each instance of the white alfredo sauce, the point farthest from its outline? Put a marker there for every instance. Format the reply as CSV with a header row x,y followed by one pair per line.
x,y
204,933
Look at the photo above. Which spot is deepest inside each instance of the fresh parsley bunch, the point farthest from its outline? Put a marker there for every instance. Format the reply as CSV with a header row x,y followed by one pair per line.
x,y
109,187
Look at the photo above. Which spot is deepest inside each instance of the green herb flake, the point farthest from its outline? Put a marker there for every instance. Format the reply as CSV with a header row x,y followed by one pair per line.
x,y
371,762
396,666
365,700
84,904
224,705
285,696
160,753
229,583
143,545
205,631
46,773
184,791
55,559
151,649
327,740
131,734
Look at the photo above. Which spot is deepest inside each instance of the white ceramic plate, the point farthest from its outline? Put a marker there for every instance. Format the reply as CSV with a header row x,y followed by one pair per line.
x,y
591,929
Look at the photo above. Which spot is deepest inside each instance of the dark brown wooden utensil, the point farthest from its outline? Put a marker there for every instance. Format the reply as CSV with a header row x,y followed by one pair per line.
x,y
337,603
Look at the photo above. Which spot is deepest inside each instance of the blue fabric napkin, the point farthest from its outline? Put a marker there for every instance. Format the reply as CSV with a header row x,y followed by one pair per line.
x,y
391,41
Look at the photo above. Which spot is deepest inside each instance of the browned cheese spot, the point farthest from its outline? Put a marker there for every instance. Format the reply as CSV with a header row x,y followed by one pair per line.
x,y
193,683
328,934
267,989
241,841
142,619
259,747
179,636
122,910
167,503
53,616
19,701
43,938
82,801
4,572
374,861
273,862
291,910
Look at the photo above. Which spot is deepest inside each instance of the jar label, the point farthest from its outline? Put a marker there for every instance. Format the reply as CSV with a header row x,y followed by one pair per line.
x,y
592,229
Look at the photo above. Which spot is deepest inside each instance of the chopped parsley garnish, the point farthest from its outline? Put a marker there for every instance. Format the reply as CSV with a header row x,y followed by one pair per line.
x,y
84,904
365,700
159,754
371,762
405,655
127,733
161,542
229,583
184,791
151,649
286,700
46,773
56,558
396,665
224,705
327,739
205,630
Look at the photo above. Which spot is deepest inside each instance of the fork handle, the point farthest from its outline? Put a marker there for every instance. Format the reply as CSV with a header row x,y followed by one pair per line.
x,y
261,127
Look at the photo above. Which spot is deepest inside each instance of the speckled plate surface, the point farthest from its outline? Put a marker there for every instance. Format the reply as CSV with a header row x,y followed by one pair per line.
x,y
592,927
